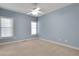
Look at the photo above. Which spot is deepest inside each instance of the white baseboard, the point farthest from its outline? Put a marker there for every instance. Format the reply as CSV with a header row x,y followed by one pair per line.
x,y
16,41
62,44
43,40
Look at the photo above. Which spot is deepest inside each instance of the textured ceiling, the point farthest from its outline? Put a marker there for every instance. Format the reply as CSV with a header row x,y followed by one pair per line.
x,y
27,7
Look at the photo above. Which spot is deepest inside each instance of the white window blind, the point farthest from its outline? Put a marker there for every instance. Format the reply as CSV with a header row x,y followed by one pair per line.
x,y
33,28
6,25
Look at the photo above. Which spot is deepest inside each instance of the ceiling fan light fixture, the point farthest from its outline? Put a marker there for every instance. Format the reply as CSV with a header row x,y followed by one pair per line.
x,y
35,13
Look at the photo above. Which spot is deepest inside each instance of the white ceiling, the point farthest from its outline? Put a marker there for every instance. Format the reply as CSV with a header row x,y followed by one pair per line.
x,y
27,7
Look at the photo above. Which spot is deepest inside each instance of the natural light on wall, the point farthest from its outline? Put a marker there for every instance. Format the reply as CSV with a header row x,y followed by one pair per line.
x,y
33,28
6,27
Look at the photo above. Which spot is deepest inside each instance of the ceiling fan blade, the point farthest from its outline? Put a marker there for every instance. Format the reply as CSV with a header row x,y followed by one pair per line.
x,y
37,9
40,12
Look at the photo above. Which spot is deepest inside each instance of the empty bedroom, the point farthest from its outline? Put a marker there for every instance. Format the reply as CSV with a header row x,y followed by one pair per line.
x,y
39,29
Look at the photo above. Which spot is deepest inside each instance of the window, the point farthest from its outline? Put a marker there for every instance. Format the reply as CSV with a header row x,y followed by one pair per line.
x,y
6,27
33,28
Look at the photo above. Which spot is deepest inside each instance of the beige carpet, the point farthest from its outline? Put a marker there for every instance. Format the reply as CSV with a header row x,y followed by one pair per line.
x,y
36,48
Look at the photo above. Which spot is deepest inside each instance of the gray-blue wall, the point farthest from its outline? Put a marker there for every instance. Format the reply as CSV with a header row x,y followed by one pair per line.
x,y
22,25
61,25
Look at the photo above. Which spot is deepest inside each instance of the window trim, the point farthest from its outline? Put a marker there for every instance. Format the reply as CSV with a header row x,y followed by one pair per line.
x,y
12,26
36,28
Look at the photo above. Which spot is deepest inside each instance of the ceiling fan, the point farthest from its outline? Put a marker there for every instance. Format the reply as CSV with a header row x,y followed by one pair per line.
x,y
36,11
